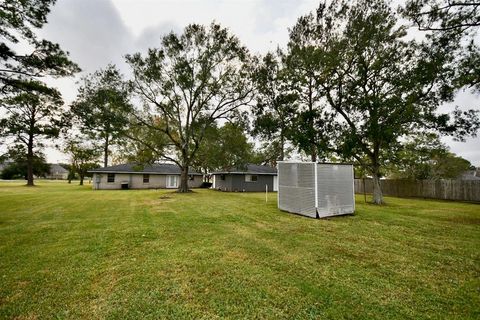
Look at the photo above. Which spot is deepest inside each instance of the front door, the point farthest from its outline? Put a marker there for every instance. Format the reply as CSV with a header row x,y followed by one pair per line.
x,y
172,182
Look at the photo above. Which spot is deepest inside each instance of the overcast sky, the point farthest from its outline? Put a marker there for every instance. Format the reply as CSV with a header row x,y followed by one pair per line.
x,y
97,32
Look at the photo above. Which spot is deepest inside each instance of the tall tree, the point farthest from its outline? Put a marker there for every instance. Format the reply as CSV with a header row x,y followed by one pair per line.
x,y
302,72
83,156
190,82
102,107
30,118
21,68
17,163
275,108
379,85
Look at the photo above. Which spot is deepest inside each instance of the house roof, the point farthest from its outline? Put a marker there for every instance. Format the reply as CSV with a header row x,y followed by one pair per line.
x,y
55,168
156,168
250,169
469,175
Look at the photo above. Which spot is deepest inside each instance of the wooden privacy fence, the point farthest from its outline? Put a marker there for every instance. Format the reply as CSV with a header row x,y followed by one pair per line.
x,y
463,190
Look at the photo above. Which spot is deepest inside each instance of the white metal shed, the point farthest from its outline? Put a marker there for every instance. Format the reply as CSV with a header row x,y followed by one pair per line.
x,y
316,190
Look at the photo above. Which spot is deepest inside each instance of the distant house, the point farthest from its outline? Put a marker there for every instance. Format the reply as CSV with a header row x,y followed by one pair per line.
x,y
250,178
471,175
57,172
134,176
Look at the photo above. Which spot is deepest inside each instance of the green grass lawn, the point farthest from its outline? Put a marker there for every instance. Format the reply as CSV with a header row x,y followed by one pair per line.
x,y
69,252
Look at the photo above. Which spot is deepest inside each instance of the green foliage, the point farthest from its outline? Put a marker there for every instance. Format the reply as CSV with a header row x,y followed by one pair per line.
x,y
443,15
102,107
29,115
424,157
18,23
379,86
83,156
29,119
190,81
270,152
276,103
17,164
144,144
312,121
224,147
447,23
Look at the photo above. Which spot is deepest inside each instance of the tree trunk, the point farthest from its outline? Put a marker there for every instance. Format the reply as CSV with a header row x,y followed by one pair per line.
x,y
282,146
377,190
105,152
313,146
82,176
183,187
30,161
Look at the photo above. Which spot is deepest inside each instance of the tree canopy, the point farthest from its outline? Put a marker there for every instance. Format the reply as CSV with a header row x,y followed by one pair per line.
x,y
223,148
424,157
83,156
276,103
443,15
102,107
21,69
29,119
379,86
192,80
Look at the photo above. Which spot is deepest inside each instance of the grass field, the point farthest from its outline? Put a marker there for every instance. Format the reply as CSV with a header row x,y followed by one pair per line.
x,y
69,252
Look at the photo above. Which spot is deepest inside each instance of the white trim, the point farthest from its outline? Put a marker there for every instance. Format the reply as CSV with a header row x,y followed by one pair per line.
x,y
316,185
353,187
251,173
167,181
278,187
145,172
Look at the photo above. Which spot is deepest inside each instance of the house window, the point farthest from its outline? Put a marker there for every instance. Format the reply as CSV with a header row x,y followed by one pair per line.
x,y
191,177
251,178
222,177
111,177
172,181
146,178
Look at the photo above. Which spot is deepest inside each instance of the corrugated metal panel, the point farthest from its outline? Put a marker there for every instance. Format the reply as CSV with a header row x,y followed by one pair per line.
x,y
335,190
296,188
300,183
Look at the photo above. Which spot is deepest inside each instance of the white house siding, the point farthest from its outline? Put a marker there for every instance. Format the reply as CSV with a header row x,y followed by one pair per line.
x,y
155,182
135,181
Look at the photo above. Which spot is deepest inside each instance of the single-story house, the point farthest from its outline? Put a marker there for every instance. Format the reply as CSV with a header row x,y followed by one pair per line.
x,y
135,176
57,172
249,178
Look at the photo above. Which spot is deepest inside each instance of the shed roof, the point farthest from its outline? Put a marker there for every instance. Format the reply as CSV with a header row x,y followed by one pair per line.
x,y
250,169
156,168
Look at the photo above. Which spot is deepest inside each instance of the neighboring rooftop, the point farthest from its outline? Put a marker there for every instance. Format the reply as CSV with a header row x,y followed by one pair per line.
x,y
156,168
55,168
472,175
250,169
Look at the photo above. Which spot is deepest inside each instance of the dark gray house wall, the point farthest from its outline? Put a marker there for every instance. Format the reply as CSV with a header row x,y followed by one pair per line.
x,y
224,185
236,182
